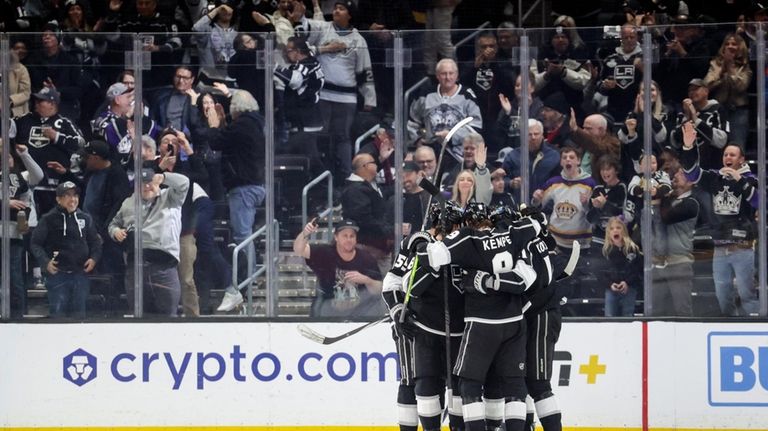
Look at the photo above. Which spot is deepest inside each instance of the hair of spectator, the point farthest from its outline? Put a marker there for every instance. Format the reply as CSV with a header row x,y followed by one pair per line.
x,y
300,44
574,150
148,141
659,104
474,139
185,67
532,122
238,42
488,34
506,25
446,62
742,54
608,161
600,120
736,145
628,246
123,74
241,102
455,193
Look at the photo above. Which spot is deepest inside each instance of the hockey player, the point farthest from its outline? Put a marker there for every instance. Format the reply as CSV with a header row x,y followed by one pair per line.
x,y
494,334
425,305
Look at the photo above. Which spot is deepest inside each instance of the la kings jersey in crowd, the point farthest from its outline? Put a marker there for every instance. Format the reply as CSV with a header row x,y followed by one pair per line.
x,y
300,85
620,67
435,112
711,134
345,71
68,140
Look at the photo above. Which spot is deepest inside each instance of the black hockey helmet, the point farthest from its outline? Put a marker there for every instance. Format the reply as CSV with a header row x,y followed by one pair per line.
x,y
502,213
453,213
476,213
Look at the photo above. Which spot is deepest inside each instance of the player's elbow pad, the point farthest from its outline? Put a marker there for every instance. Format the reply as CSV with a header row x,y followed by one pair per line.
x,y
526,273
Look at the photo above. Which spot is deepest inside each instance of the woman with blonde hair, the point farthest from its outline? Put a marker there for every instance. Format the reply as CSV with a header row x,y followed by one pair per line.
x,y
621,273
728,78
473,184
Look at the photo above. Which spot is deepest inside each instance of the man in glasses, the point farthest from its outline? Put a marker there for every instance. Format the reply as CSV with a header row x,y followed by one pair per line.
x,y
175,107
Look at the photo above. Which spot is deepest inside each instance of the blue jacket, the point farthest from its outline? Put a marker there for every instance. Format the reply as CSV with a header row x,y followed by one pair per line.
x,y
541,167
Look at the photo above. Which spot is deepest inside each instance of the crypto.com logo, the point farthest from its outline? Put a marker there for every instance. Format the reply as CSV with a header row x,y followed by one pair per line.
x,y
79,367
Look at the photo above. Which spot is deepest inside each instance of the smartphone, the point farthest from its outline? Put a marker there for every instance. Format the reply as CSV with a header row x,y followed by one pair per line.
x,y
171,149
314,222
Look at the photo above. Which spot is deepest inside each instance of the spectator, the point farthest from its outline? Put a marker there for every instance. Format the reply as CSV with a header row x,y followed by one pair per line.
x,y
508,121
363,202
207,106
106,187
733,190
173,106
66,244
288,15
56,70
18,86
631,133
22,217
343,55
297,92
160,37
415,199
621,270
348,278
595,141
242,160
709,120
425,157
500,197
728,78
437,113
609,199
489,79
177,155
468,188
543,161
19,47
115,126
673,274
437,38
622,73
160,240
240,67
562,69
50,137
215,41
684,58
507,35
553,116
660,186
382,148
475,156
565,199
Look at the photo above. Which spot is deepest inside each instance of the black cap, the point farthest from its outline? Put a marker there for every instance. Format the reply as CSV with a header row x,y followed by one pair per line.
x,y
65,187
147,175
346,224
411,166
349,5
98,148
556,101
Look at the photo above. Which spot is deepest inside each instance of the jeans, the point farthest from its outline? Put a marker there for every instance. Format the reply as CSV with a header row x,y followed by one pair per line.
x,y
738,123
211,268
67,294
337,121
617,304
243,204
187,256
727,264
161,289
18,288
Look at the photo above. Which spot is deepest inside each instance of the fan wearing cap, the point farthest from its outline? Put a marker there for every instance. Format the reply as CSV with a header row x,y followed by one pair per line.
x,y
709,120
161,230
348,278
50,137
66,244
554,118
113,125
415,199
346,63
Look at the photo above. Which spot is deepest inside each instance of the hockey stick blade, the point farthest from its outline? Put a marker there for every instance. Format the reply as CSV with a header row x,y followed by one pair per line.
x,y
456,128
572,261
315,336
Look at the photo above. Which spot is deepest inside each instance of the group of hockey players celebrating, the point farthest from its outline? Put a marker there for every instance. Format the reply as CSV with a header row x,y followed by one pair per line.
x,y
476,312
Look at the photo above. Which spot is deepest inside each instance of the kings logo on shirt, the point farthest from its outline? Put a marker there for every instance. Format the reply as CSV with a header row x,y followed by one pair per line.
x,y
565,210
624,75
726,202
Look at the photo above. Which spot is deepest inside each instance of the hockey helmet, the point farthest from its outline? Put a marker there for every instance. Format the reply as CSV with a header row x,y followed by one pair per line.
x,y
476,213
502,213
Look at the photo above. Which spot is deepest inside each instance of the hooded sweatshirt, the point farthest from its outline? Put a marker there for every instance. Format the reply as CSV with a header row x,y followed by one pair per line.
x,y
72,236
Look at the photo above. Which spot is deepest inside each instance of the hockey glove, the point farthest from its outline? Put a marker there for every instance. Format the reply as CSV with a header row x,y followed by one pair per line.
x,y
407,328
418,238
535,214
474,281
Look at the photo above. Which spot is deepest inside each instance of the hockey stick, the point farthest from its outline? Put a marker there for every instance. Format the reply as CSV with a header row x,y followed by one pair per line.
x,y
317,337
572,261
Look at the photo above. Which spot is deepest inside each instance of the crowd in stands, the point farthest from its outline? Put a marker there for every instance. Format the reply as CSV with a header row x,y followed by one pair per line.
x,y
73,105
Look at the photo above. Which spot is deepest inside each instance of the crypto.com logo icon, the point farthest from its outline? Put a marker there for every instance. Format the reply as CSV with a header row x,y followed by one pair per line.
x,y
79,367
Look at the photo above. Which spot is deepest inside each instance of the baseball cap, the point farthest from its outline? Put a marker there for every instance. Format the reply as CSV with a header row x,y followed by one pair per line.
x,y
98,148
349,5
411,166
49,94
557,102
147,175
65,187
117,89
346,224
503,155
697,82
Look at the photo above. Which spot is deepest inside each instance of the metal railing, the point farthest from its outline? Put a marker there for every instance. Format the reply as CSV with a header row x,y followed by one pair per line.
x,y
257,270
361,138
328,211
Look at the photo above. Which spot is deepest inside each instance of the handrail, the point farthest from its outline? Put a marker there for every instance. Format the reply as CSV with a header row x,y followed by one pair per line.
x,y
362,137
262,268
305,193
424,80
